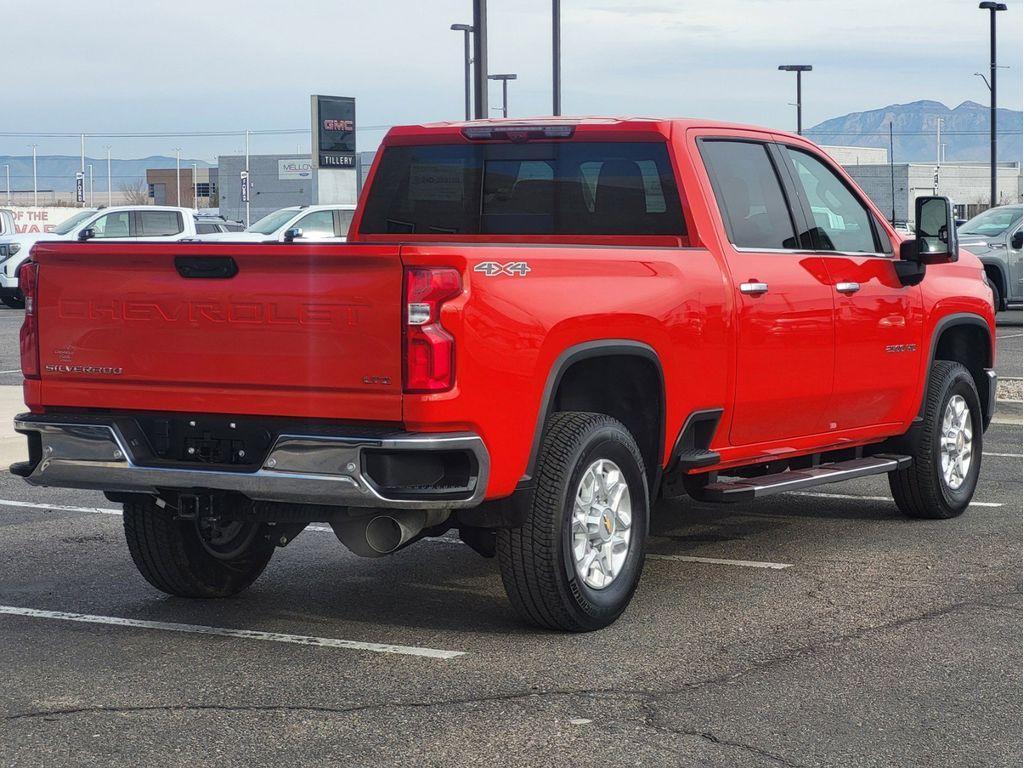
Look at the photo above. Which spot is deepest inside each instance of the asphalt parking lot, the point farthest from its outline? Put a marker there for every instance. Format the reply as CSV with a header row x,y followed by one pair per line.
x,y
817,629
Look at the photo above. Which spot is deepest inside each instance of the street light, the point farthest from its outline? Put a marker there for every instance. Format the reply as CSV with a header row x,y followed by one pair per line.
x,y
7,168
177,175
799,69
195,186
467,30
556,57
992,9
110,191
504,90
35,178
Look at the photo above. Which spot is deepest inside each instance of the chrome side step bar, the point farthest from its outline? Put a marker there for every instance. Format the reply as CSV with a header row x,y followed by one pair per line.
x,y
748,488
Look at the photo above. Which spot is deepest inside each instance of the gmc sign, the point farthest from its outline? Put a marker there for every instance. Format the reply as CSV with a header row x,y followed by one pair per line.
x,y
334,131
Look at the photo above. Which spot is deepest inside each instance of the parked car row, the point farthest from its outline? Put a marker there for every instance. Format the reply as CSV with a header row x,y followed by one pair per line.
x,y
995,236
158,223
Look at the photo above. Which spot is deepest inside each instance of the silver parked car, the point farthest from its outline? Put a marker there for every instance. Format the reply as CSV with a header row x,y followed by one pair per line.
x,y
994,236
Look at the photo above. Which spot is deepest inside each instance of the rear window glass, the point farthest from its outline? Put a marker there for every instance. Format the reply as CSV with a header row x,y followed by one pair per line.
x,y
543,188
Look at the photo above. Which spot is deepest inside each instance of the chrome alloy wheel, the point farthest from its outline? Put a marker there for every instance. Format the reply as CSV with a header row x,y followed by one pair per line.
x,y
601,520
956,442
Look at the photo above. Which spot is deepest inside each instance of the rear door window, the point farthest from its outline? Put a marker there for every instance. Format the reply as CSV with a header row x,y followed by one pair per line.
x,y
749,194
160,223
535,188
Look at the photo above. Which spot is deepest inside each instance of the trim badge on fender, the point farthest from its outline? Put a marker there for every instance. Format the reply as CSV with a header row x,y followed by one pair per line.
x,y
901,348
510,268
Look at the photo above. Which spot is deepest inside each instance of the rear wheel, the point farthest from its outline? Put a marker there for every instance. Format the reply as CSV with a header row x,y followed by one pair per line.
x,y
576,562
202,557
14,300
946,449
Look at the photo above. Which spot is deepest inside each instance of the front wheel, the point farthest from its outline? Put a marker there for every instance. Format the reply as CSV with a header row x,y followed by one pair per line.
x,y
575,563
946,449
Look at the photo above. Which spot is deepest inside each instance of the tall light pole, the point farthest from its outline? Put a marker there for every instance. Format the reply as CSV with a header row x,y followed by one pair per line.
x,y
7,168
35,178
466,30
177,176
799,69
480,59
92,195
110,189
195,186
247,189
504,90
993,9
556,57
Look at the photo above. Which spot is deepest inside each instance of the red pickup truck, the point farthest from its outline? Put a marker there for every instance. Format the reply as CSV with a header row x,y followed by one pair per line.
x,y
534,331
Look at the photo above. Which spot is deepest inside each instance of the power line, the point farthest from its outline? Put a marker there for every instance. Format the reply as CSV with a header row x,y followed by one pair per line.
x,y
175,134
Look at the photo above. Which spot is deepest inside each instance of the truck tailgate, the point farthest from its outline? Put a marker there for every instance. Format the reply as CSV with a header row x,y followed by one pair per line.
x,y
297,330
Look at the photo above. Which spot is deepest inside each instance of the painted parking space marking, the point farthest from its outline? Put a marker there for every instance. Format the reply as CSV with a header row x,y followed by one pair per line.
x,y
722,561
243,634
1005,455
59,507
875,498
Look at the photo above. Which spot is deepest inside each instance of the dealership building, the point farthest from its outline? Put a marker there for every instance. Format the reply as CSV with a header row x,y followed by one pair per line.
x,y
275,181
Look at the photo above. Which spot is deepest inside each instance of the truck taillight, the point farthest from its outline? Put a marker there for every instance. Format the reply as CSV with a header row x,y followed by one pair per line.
x,y
429,362
28,282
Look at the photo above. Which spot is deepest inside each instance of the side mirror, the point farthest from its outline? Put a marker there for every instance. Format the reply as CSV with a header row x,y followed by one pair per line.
x,y
86,234
292,234
1017,241
935,238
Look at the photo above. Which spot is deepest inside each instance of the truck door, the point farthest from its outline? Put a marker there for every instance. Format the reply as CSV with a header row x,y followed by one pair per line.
x,y
1015,257
783,299
878,320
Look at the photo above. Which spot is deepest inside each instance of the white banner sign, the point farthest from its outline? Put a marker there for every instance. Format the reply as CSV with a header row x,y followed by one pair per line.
x,y
294,170
40,219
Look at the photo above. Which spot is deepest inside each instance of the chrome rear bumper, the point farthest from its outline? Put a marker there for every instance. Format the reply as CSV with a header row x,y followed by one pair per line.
x,y
85,452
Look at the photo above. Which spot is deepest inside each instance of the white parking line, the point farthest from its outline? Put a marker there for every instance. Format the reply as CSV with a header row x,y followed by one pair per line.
x,y
875,498
244,634
1005,455
59,507
721,561
1010,336
16,370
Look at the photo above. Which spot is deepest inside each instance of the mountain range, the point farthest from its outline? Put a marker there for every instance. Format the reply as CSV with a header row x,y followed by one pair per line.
x,y
57,172
965,131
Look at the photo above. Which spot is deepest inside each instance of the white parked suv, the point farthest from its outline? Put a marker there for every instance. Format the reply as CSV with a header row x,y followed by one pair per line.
x,y
139,223
298,222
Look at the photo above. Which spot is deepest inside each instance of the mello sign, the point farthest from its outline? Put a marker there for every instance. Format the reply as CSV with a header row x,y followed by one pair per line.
x,y
295,170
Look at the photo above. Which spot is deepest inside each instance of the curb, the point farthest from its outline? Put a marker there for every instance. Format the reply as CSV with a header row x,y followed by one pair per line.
x,y
1008,412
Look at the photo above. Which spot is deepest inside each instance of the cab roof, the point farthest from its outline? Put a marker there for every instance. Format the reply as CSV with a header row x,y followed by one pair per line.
x,y
592,126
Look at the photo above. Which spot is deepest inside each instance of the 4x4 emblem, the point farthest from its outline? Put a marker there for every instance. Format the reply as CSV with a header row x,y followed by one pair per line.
x,y
511,268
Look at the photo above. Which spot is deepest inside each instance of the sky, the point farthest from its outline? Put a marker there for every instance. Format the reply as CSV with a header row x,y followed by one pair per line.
x,y
142,66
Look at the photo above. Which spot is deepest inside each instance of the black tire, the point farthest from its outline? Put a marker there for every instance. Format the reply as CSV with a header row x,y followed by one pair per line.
x,y
171,556
920,490
14,301
997,297
537,566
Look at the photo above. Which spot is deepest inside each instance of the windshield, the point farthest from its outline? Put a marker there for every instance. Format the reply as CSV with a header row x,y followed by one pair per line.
x,y
69,224
272,222
992,222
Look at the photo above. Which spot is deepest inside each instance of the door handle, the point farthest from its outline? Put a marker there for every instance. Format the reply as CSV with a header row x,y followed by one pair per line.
x,y
847,287
754,288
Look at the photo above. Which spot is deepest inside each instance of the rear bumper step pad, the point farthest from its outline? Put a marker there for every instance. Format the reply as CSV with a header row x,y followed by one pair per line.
x,y
755,487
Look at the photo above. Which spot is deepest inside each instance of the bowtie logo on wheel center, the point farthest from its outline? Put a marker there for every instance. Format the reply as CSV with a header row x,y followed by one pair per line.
x,y
607,527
